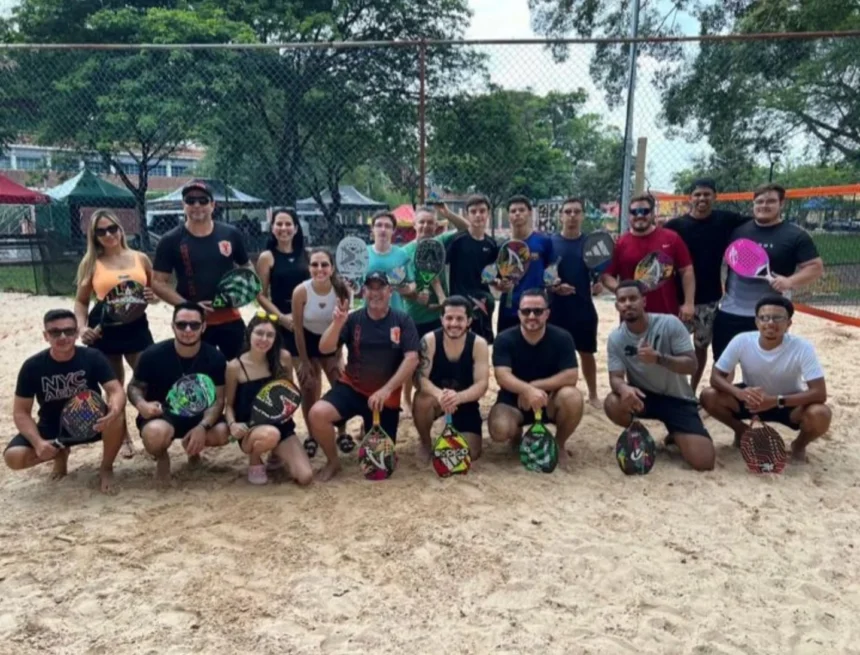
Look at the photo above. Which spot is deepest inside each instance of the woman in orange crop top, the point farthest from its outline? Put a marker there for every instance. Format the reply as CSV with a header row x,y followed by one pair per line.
x,y
107,262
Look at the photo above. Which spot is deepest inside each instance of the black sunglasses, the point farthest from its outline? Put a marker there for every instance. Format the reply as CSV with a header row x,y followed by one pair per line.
x,y
640,211
188,325
196,200
533,311
62,332
104,231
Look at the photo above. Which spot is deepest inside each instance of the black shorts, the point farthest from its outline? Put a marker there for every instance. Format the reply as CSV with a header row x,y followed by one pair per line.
x,y
774,415
288,341
426,328
727,327
583,329
348,402
312,344
467,418
510,400
226,337
127,339
181,426
19,440
677,414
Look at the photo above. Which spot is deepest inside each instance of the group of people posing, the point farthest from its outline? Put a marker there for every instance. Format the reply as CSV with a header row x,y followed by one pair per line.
x,y
428,351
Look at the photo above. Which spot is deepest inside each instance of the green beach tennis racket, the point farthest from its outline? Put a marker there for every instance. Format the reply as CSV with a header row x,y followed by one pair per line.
x,y
236,288
538,447
429,262
190,396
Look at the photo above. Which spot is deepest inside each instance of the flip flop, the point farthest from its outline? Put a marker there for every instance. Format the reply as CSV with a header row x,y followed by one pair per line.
x,y
345,443
311,447
257,474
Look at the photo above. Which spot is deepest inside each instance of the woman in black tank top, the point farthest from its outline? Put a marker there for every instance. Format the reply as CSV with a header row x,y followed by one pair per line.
x,y
282,267
262,360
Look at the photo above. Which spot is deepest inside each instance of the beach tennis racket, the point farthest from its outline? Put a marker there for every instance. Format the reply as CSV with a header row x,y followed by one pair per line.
x,y
597,252
748,259
489,273
396,276
78,419
275,403
429,262
352,259
451,455
236,288
538,448
376,456
635,450
762,448
550,275
512,263
653,270
123,304
190,396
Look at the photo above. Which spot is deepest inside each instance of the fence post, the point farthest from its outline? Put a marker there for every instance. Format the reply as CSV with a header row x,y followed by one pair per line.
x,y
422,127
628,128
641,158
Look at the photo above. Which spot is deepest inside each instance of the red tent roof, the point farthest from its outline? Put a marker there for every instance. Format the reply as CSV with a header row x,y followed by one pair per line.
x,y
404,214
12,193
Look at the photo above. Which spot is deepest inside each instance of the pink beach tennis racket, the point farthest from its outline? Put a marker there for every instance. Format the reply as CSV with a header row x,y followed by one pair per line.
x,y
748,259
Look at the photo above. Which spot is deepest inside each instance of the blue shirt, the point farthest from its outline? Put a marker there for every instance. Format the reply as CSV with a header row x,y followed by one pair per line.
x,y
572,271
540,249
386,263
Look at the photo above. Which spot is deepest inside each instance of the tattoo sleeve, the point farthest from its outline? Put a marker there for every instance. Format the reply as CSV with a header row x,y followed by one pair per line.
x,y
424,364
136,391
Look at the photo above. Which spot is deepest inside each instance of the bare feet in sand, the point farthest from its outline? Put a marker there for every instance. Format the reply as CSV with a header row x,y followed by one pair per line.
x,y
162,471
127,450
564,461
195,462
106,481
422,456
328,471
61,465
594,401
798,454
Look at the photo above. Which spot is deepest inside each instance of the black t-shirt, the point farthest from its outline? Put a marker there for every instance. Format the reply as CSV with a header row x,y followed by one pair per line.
x,y
549,356
467,257
375,350
707,240
51,382
160,366
200,262
288,271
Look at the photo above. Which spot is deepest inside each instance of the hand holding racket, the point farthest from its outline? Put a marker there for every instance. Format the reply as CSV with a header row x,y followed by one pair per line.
x,y
123,304
82,419
538,447
451,454
550,275
762,448
513,263
489,274
748,259
654,270
376,456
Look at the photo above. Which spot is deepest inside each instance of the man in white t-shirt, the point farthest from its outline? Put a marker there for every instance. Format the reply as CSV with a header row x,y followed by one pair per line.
x,y
782,379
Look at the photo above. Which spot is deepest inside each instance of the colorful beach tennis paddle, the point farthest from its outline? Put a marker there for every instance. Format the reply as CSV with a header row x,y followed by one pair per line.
x,y
748,259
236,288
550,275
762,448
653,270
451,454
489,273
512,263
538,447
597,252
376,456
78,419
123,304
190,396
635,450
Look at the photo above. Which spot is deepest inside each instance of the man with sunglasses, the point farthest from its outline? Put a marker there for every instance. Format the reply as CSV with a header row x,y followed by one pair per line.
x,y
160,366
536,368
649,358
644,238
200,252
52,376
783,382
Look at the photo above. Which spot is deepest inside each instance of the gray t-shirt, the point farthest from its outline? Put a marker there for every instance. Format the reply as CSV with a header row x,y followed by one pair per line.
x,y
668,336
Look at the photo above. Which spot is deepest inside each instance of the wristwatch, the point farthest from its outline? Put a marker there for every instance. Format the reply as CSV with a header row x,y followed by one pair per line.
x,y
780,402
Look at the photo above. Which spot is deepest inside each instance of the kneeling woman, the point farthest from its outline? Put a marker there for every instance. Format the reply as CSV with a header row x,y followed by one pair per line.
x,y
262,360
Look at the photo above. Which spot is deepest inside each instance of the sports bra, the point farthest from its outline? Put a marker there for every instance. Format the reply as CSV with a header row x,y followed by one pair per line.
x,y
318,309
105,279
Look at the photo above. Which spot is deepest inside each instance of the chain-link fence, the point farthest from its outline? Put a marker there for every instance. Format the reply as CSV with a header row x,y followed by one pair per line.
x,y
341,131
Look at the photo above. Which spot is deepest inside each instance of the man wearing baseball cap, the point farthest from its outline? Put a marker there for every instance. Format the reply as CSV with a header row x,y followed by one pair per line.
x,y
200,252
382,353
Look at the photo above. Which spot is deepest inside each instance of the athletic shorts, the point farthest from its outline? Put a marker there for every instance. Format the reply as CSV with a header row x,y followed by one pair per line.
x,y
727,327
583,331
774,415
467,418
427,328
286,430
181,426
19,440
348,402
226,337
312,344
677,414
128,339
288,341
508,399
702,325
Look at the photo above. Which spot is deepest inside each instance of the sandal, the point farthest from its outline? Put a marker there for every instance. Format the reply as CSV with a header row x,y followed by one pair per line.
x,y
345,443
311,447
257,474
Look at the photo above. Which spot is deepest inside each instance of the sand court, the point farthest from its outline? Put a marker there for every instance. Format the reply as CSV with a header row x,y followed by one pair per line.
x,y
499,561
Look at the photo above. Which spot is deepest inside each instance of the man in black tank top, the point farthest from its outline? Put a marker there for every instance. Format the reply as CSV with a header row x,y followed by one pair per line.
x,y
452,375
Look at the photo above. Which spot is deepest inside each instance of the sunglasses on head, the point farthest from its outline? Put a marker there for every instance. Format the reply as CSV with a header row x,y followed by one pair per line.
x,y
533,311
262,313
640,211
196,200
104,231
188,325
62,332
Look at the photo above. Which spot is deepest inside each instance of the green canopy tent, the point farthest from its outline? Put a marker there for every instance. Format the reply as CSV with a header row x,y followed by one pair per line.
x,y
75,200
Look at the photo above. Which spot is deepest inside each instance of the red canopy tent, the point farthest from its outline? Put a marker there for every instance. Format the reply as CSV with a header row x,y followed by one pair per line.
x,y
12,193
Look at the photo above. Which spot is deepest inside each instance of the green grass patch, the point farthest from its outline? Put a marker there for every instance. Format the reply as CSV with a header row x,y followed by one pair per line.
x,y
838,249
56,279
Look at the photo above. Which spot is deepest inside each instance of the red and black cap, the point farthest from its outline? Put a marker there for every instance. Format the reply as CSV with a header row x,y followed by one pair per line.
x,y
197,185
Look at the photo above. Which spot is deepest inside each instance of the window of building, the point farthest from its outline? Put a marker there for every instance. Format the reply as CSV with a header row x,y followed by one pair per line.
x,y
30,163
5,164
158,171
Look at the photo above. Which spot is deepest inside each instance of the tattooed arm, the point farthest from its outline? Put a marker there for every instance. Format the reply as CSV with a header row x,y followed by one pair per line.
x,y
137,397
421,379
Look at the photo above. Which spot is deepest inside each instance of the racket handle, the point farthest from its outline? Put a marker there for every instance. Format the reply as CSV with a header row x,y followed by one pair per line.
x,y
449,419
538,415
376,417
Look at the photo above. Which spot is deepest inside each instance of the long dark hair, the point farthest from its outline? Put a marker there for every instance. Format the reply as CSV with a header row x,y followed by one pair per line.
x,y
273,355
337,283
298,237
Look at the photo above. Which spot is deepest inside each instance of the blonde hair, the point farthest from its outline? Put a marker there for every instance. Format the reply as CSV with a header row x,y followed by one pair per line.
x,y
94,248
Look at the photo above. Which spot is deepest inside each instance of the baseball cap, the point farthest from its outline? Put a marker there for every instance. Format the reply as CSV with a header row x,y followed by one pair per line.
x,y
376,276
197,185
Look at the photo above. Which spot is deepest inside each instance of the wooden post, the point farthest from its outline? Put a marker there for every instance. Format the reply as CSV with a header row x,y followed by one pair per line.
x,y
641,152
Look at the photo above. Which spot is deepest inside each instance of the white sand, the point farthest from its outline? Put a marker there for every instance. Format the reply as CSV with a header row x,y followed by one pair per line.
x,y
501,561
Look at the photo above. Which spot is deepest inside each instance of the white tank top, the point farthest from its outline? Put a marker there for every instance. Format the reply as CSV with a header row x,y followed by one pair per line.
x,y
318,309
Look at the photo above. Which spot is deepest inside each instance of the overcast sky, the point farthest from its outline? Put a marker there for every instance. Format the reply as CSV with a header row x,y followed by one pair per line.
x,y
521,67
